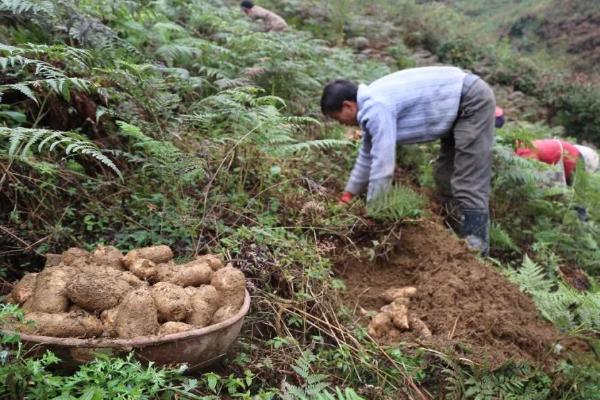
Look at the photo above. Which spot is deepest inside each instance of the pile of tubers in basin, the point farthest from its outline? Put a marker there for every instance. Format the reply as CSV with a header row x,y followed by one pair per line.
x,y
144,293
395,317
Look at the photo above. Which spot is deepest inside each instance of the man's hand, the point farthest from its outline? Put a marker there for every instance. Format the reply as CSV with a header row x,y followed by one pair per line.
x,y
345,199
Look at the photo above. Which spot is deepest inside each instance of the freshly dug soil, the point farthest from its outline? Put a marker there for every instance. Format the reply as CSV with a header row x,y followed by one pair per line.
x,y
469,307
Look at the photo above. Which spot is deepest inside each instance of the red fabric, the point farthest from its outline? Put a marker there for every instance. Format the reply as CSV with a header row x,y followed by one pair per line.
x,y
346,197
549,151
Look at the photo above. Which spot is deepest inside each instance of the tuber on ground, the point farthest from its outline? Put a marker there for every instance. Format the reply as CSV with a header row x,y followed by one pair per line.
x,y
380,325
420,328
392,294
132,280
108,318
398,311
213,261
394,317
52,260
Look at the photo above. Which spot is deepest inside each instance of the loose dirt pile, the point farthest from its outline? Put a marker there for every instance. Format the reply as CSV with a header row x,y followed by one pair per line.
x,y
144,293
452,302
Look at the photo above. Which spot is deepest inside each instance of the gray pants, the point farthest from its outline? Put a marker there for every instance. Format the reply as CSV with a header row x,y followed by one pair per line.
x,y
464,166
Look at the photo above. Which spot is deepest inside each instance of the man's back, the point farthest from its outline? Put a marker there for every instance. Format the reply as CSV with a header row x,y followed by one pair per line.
x,y
423,101
272,21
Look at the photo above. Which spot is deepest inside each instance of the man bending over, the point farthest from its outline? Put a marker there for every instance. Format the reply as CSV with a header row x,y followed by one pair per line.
x,y
421,105
271,21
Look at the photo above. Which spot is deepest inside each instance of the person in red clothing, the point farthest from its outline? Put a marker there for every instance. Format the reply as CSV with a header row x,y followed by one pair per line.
x,y
556,151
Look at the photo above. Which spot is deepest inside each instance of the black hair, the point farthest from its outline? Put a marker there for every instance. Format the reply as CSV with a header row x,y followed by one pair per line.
x,y
335,93
246,4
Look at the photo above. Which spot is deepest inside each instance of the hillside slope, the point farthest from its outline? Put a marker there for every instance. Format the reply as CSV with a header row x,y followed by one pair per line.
x,y
181,122
567,29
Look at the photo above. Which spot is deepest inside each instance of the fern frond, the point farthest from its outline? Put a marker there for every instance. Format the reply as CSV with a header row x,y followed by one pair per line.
x,y
322,144
172,51
500,239
163,156
555,307
34,7
531,277
41,74
316,388
562,305
22,139
398,203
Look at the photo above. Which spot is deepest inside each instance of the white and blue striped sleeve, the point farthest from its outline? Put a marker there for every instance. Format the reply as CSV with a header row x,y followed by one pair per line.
x,y
359,177
381,127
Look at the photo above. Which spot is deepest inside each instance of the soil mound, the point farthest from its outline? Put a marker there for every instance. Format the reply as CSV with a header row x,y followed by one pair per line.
x,y
468,307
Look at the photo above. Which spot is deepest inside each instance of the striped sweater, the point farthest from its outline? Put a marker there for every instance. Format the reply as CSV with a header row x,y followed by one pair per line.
x,y
409,106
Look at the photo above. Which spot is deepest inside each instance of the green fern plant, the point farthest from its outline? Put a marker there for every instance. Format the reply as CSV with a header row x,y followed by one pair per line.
x,y
500,239
396,204
162,156
511,382
27,7
39,74
346,394
562,305
259,118
22,142
315,386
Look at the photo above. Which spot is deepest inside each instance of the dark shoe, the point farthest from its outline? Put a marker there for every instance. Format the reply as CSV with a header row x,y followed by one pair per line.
x,y
582,214
475,230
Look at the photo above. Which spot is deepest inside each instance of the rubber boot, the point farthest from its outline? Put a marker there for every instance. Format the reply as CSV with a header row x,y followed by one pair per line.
x,y
475,230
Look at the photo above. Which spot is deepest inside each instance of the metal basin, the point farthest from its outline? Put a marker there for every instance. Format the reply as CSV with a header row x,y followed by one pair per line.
x,y
198,348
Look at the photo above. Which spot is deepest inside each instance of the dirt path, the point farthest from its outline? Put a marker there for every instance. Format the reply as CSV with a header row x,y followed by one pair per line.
x,y
471,309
